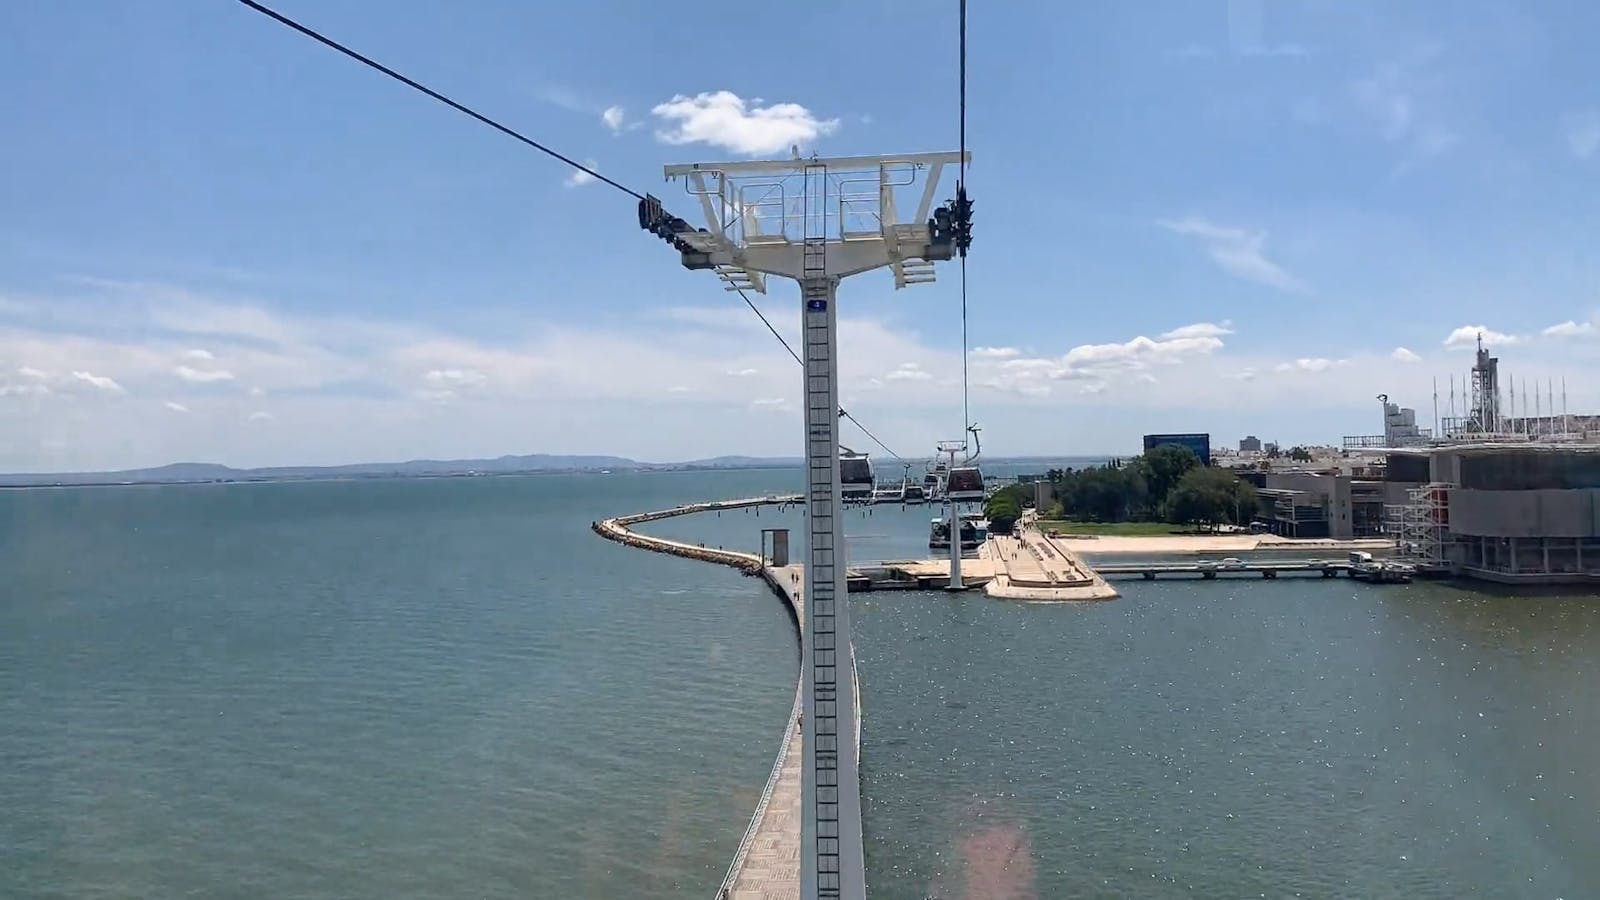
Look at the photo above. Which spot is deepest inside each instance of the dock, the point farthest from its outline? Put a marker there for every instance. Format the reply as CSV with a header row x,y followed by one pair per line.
x,y
1323,568
1151,571
1028,565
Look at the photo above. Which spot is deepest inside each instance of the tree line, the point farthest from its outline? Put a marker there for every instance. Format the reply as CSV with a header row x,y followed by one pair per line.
x,y
1166,484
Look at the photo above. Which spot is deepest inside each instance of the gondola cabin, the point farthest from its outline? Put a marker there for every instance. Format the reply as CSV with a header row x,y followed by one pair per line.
x,y
965,485
855,476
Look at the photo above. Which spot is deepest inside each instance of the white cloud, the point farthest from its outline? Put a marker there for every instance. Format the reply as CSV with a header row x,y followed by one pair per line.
x,y
743,373
909,371
1138,353
200,355
995,352
1020,387
770,403
99,382
259,416
1582,131
613,117
723,119
1401,354
1236,251
579,177
1200,329
1314,364
258,391
1099,365
1571,329
202,376
175,407
1467,336
29,372
446,385
455,378
351,390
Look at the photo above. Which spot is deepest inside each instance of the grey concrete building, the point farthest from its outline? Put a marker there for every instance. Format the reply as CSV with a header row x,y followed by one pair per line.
x,y
1516,513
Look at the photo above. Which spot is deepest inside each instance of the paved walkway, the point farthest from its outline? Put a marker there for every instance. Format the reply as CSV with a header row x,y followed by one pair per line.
x,y
767,866
1030,566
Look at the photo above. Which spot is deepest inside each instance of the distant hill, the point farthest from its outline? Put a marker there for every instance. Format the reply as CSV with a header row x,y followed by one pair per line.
x,y
193,473
188,472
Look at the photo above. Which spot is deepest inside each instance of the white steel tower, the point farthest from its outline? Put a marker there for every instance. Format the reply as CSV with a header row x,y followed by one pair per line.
x,y
817,221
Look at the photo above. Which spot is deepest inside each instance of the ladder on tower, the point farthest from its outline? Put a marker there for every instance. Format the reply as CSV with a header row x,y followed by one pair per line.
x,y
822,419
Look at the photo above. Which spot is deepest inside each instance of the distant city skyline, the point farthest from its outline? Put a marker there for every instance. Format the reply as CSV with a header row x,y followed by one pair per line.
x,y
1223,217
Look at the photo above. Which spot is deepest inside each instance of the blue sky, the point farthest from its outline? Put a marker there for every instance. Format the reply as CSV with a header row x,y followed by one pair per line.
x,y
221,241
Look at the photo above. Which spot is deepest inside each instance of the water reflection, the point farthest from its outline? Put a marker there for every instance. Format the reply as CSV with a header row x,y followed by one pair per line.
x,y
996,859
1304,736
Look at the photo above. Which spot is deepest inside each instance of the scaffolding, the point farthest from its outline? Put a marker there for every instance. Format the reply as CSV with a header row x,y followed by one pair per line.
x,y
1421,528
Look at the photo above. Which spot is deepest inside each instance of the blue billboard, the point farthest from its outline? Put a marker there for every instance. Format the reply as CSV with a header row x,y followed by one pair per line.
x,y
1199,443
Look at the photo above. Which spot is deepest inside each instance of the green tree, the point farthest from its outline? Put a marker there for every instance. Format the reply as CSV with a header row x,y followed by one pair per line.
x,y
1166,465
1206,496
1002,510
1299,454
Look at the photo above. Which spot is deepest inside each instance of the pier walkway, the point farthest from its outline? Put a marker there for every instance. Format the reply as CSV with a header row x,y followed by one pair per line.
x,y
1028,565
766,865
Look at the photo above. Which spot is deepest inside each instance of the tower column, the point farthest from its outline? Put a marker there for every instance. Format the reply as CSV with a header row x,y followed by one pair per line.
x,y
830,786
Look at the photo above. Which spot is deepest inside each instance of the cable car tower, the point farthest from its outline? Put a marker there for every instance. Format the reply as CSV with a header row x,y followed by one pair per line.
x,y
963,484
818,221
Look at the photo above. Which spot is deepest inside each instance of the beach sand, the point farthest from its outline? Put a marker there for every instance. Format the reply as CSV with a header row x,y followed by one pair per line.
x,y
1201,544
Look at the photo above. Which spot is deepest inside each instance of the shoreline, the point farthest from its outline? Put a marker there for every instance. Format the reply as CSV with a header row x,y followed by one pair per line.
x,y
1203,544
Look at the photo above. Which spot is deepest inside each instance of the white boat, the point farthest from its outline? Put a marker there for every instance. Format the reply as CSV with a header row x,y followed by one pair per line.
x,y
974,531
1378,571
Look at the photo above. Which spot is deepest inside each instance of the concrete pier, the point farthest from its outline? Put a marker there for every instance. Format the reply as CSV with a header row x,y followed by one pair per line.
x,y
619,529
766,865
1028,565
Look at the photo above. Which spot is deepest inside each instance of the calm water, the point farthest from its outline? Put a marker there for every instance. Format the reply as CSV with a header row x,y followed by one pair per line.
x,y
432,689
1236,738
452,689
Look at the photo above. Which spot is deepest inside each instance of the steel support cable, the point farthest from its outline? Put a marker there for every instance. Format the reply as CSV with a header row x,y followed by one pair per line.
x,y
374,64
966,414
870,435
510,132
